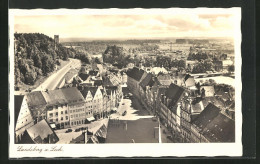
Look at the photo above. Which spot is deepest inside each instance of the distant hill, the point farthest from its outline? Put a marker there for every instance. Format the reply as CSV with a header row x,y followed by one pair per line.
x,y
36,55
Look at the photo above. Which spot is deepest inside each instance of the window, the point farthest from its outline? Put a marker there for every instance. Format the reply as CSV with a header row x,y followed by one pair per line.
x,y
51,120
71,123
56,113
66,112
51,114
67,117
71,116
61,118
57,119
61,112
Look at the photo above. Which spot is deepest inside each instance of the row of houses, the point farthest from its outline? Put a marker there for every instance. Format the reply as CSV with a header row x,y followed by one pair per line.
x,y
65,107
192,113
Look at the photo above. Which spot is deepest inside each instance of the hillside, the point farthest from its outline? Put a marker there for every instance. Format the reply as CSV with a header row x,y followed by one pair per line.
x,y
36,56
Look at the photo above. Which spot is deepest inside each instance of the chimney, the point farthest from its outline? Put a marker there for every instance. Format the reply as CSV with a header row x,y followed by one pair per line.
x,y
49,137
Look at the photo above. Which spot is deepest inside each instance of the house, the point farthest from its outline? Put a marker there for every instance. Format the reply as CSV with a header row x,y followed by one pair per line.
x,y
133,78
37,105
97,102
207,91
171,107
88,95
118,93
164,79
202,120
111,93
157,70
76,106
84,77
93,73
57,108
189,81
220,129
40,133
147,88
158,98
23,117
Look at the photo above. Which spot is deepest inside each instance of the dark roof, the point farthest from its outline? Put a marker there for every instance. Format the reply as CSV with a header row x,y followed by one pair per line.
x,y
161,91
220,129
146,80
110,89
93,73
98,82
135,73
72,95
107,81
85,90
83,76
174,93
35,99
54,97
206,116
214,100
18,99
187,76
42,131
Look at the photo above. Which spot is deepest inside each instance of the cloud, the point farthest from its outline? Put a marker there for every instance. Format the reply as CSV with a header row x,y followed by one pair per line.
x,y
113,26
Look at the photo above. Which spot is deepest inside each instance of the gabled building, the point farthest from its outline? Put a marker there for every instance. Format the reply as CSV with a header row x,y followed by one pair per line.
x,y
171,107
57,108
40,133
76,105
202,120
37,105
88,95
111,93
134,76
23,118
164,79
220,129
148,87
97,103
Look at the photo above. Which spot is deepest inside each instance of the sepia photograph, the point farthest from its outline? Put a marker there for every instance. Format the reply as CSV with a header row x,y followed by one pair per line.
x,y
144,78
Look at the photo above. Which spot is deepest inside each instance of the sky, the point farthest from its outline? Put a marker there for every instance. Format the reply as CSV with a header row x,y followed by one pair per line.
x,y
127,26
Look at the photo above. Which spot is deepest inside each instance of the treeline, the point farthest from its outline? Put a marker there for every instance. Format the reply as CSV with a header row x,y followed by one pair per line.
x,y
164,61
36,56
198,56
115,55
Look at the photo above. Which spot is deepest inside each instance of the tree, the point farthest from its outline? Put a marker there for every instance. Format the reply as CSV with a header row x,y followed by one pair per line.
x,y
203,66
231,68
47,65
30,77
37,61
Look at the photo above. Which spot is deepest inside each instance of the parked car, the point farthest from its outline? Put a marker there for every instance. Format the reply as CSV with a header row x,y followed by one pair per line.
x,y
68,130
124,113
77,130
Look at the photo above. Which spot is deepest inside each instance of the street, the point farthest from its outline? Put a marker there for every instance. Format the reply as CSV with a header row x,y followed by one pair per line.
x,y
136,126
52,81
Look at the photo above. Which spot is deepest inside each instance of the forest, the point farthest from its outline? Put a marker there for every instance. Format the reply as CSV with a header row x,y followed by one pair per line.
x,y
36,55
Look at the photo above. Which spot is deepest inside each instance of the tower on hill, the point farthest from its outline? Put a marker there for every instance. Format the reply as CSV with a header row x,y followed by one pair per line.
x,y
56,40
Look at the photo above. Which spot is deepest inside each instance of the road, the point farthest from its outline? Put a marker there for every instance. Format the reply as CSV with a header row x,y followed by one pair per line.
x,y
137,126
52,81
